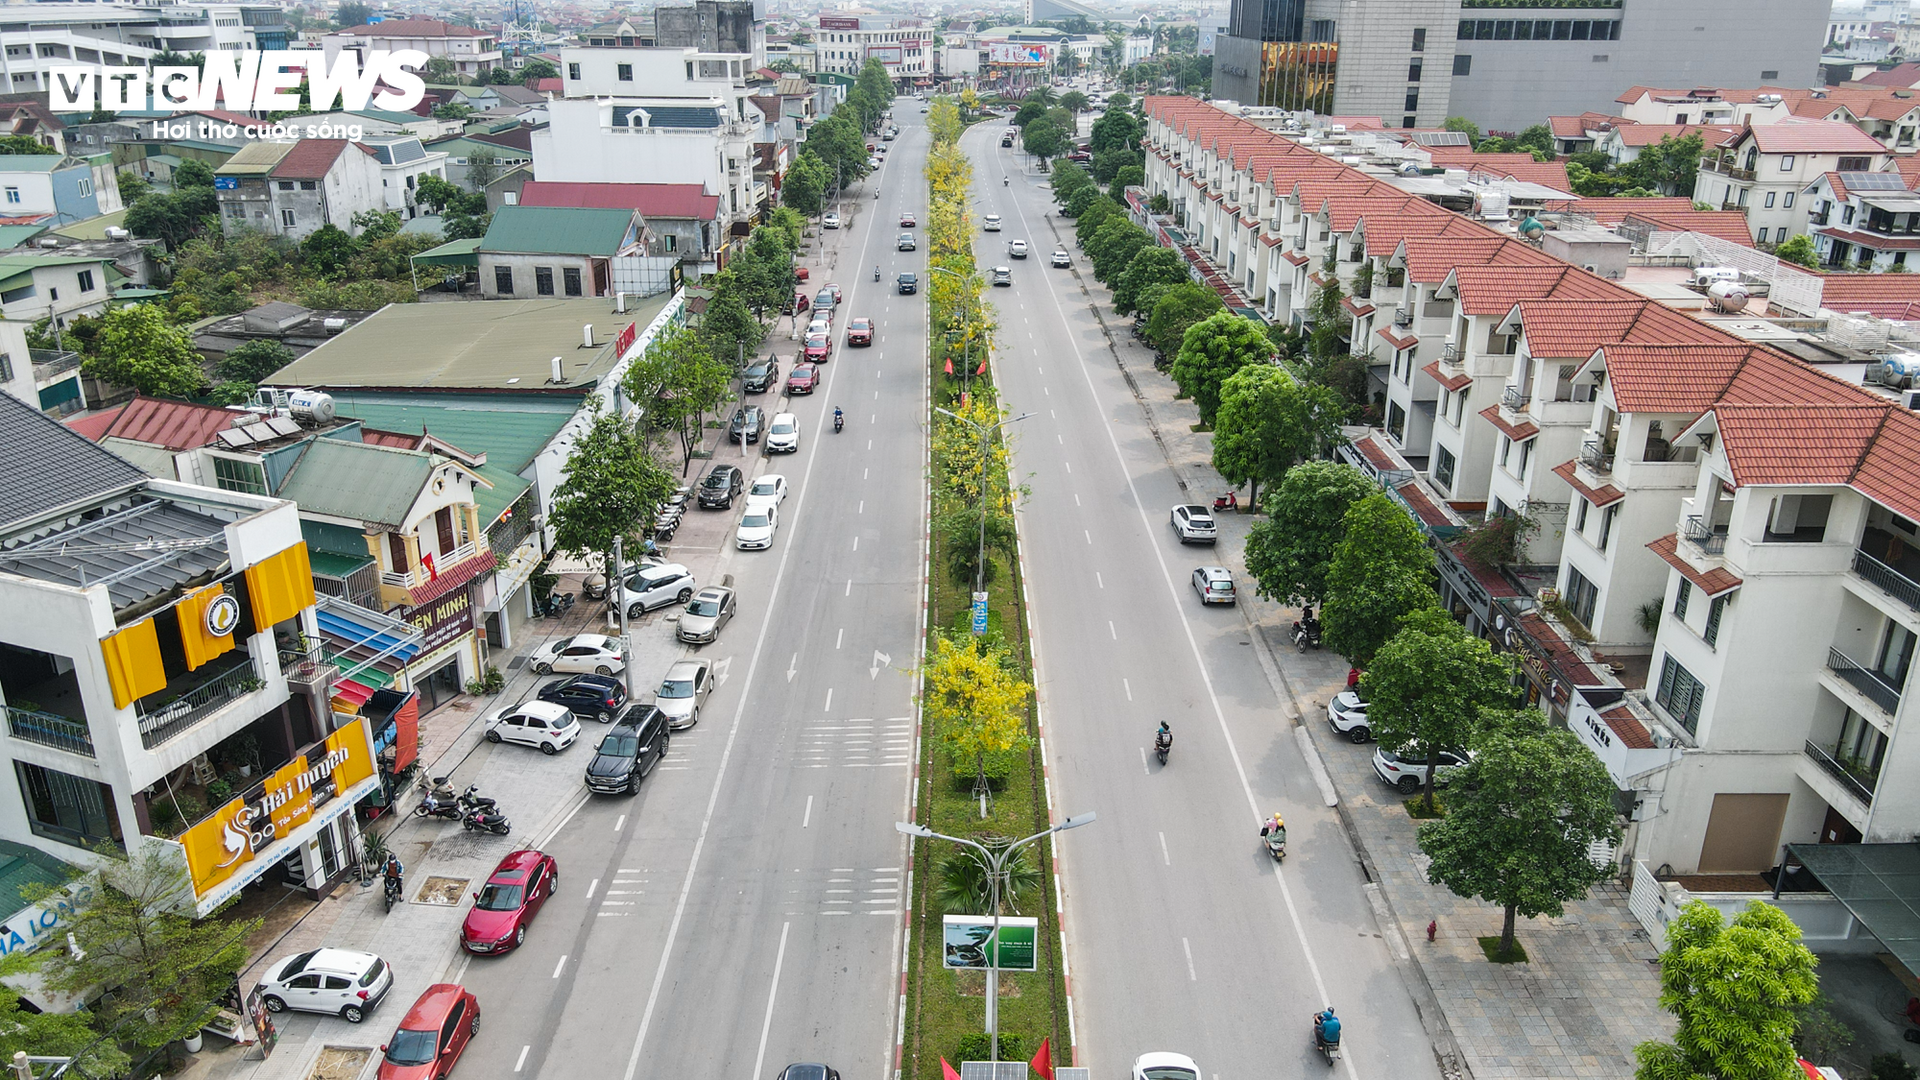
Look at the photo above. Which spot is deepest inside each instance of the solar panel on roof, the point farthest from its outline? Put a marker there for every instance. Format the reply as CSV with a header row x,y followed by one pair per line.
x,y
1873,181
235,437
284,425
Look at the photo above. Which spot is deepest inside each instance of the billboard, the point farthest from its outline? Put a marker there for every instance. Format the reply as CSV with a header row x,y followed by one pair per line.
x,y
1009,52
970,942
889,53
831,23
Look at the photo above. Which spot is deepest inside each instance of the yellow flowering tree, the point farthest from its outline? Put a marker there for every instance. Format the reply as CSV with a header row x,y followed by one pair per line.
x,y
974,703
943,119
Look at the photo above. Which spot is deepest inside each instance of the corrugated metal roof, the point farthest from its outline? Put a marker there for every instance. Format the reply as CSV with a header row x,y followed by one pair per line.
x,y
652,200
510,432
43,465
255,159
557,230
310,159
375,484
140,551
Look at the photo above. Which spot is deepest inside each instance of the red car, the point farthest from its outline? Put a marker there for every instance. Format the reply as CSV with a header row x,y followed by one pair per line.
x,y
834,289
432,1035
819,346
509,900
906,221
799,273
860,332
802,378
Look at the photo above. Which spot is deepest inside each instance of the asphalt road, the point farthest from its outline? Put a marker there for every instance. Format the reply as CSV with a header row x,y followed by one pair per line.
x,y
1183,934
742,911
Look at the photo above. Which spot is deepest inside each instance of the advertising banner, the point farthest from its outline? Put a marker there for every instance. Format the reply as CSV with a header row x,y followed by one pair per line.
x,y
1009,52
834,23
970,942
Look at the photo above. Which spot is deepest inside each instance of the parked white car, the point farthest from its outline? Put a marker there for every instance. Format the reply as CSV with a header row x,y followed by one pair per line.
x,y
783,437
596,653
771,487
755,532
830,221
545,724
338,982
657,587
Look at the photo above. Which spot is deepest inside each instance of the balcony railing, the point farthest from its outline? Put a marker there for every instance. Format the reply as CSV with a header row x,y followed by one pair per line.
x,y
1865,679
50,362
1450,353
1402,317
1860,787
442,563
1596,457
50,729
1887,579
1700,534
1820,218
1515,399
159,723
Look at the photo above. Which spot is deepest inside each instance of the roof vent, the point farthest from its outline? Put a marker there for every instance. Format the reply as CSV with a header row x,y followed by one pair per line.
x,y
586,338
557,376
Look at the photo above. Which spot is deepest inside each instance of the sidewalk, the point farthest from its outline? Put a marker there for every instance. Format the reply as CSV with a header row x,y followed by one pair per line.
x,y
1589,992
420,937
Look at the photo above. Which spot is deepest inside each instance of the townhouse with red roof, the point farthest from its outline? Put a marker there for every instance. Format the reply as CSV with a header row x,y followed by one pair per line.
x,y
293,189
1763,170
1868,221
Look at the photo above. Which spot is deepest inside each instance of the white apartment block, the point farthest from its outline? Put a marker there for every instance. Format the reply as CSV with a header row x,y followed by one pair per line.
x,y
1762,507
472,52
843,44
35,38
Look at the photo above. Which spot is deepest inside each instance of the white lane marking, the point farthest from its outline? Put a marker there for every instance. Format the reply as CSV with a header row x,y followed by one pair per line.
x,y
808,816
1129,688
618,825
863,473
829,707
1088,533
1111,632
1059,438
1098,578
1164,857
863,507
1076,498
837,638
1052,414
555,831
849,591
594,884
793,667
773,990
1143,762
1069,466
1043,389
1191,977
522,1062
856,543
561,966
869,444
1213,698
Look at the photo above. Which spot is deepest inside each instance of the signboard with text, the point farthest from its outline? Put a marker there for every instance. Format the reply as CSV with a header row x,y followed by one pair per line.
x,y
1008,52
970,941
442,620
832,23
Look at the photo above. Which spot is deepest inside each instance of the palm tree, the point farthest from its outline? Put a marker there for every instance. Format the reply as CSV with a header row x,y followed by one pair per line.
x,y
1043,94
963,887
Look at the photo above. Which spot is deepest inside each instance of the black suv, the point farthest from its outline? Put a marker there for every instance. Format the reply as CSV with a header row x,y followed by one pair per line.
x,y
720,487
745,425
908,283
760,378
629,751
588,697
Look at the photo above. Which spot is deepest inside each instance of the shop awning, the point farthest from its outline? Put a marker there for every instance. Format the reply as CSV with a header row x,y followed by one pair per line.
x,y
1878,884
368,648
451,253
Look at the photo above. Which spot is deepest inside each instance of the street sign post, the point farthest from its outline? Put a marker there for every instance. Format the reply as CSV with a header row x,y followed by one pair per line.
x,y
979,613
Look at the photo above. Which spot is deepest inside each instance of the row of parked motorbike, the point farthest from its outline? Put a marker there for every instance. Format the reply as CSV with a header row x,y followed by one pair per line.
x,y
472,810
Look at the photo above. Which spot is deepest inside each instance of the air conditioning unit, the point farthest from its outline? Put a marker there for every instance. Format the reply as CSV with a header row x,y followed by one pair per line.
x,y
1402,317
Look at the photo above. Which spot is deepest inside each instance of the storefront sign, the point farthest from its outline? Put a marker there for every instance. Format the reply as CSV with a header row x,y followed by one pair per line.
x,y
223,614
443,620
235,834
625,341
827,23
32,927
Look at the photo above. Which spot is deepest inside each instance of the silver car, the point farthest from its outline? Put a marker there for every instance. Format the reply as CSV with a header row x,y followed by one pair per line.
x,y
683,691
706,613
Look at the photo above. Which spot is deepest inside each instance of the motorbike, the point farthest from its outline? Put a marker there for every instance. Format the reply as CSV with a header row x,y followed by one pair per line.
x,y
1306,635
838,423
1328,1050
1276,840
554,606
1004,181
876,273
1162,745
482,814
439,801
394,890
1229,501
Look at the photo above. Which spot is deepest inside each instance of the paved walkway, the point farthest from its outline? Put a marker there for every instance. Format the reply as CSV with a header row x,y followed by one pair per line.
x,y
1588,994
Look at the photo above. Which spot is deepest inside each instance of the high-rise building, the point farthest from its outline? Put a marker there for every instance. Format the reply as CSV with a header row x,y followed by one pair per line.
x,y
1414,63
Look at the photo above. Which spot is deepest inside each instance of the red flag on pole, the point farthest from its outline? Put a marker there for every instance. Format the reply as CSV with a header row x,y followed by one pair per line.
x,y
1043,1061
949,365
983,367
946,1071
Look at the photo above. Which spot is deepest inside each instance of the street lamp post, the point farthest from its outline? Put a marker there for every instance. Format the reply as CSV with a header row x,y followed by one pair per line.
x,y
980,566
996,869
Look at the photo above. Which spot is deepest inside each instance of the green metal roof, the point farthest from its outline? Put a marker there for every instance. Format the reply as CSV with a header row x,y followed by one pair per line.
x,y
557,230
328,564
21,866
16,270
12,236
30,162
510,432
344,543
356,481
451,253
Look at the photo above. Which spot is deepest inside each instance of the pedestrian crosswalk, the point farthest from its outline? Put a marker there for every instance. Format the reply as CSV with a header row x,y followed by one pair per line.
x,y
846,891
855,743
622,894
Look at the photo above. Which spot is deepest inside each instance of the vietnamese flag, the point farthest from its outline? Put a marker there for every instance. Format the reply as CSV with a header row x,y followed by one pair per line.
x,y
950,371
946,1071
983,367
1042,1062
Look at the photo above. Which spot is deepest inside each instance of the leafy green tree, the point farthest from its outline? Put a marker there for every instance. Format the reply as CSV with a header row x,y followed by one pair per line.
x,y
192,173
1118,102
1074,101
1028,112
613,488
458,226
254,361
352,13
805,184
1734,988
167,971
1066,182
763,271
875,86
54,1034
500,76
1081,199
1115,244
451,110
536,69
1151,265
371,225
1382,571
1210,352
676,381
1463,125
1128,176
1538,138
1668,166
728,326
160,217
132,187
1798,250
483,168
1115,130
790,223
436,194
1429,682
231,392
1179,307
1268,423
1108,162
328,249
1043,139
137,347
1087,223
1520,819
837,141
24,144
1290,550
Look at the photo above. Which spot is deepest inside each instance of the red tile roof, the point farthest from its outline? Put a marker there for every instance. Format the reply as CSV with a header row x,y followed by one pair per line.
x,y
310,159
652,200
1559,655
1795,135
1572,329
1355,307
1797,444
1604,495
414,28
1376,455
1576,127
1424,507
1451,382
1854,292
453,578
1430,259
1494,289
1519,167
1644,135
175,425
1627,727
549,86
1691,378
1407,342
1728,225
1613,209
1712,582
1874,241
1904,75
1520,432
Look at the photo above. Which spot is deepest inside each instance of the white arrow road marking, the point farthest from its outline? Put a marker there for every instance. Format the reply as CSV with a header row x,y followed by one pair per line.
x,y
720,667
880,660
793,667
